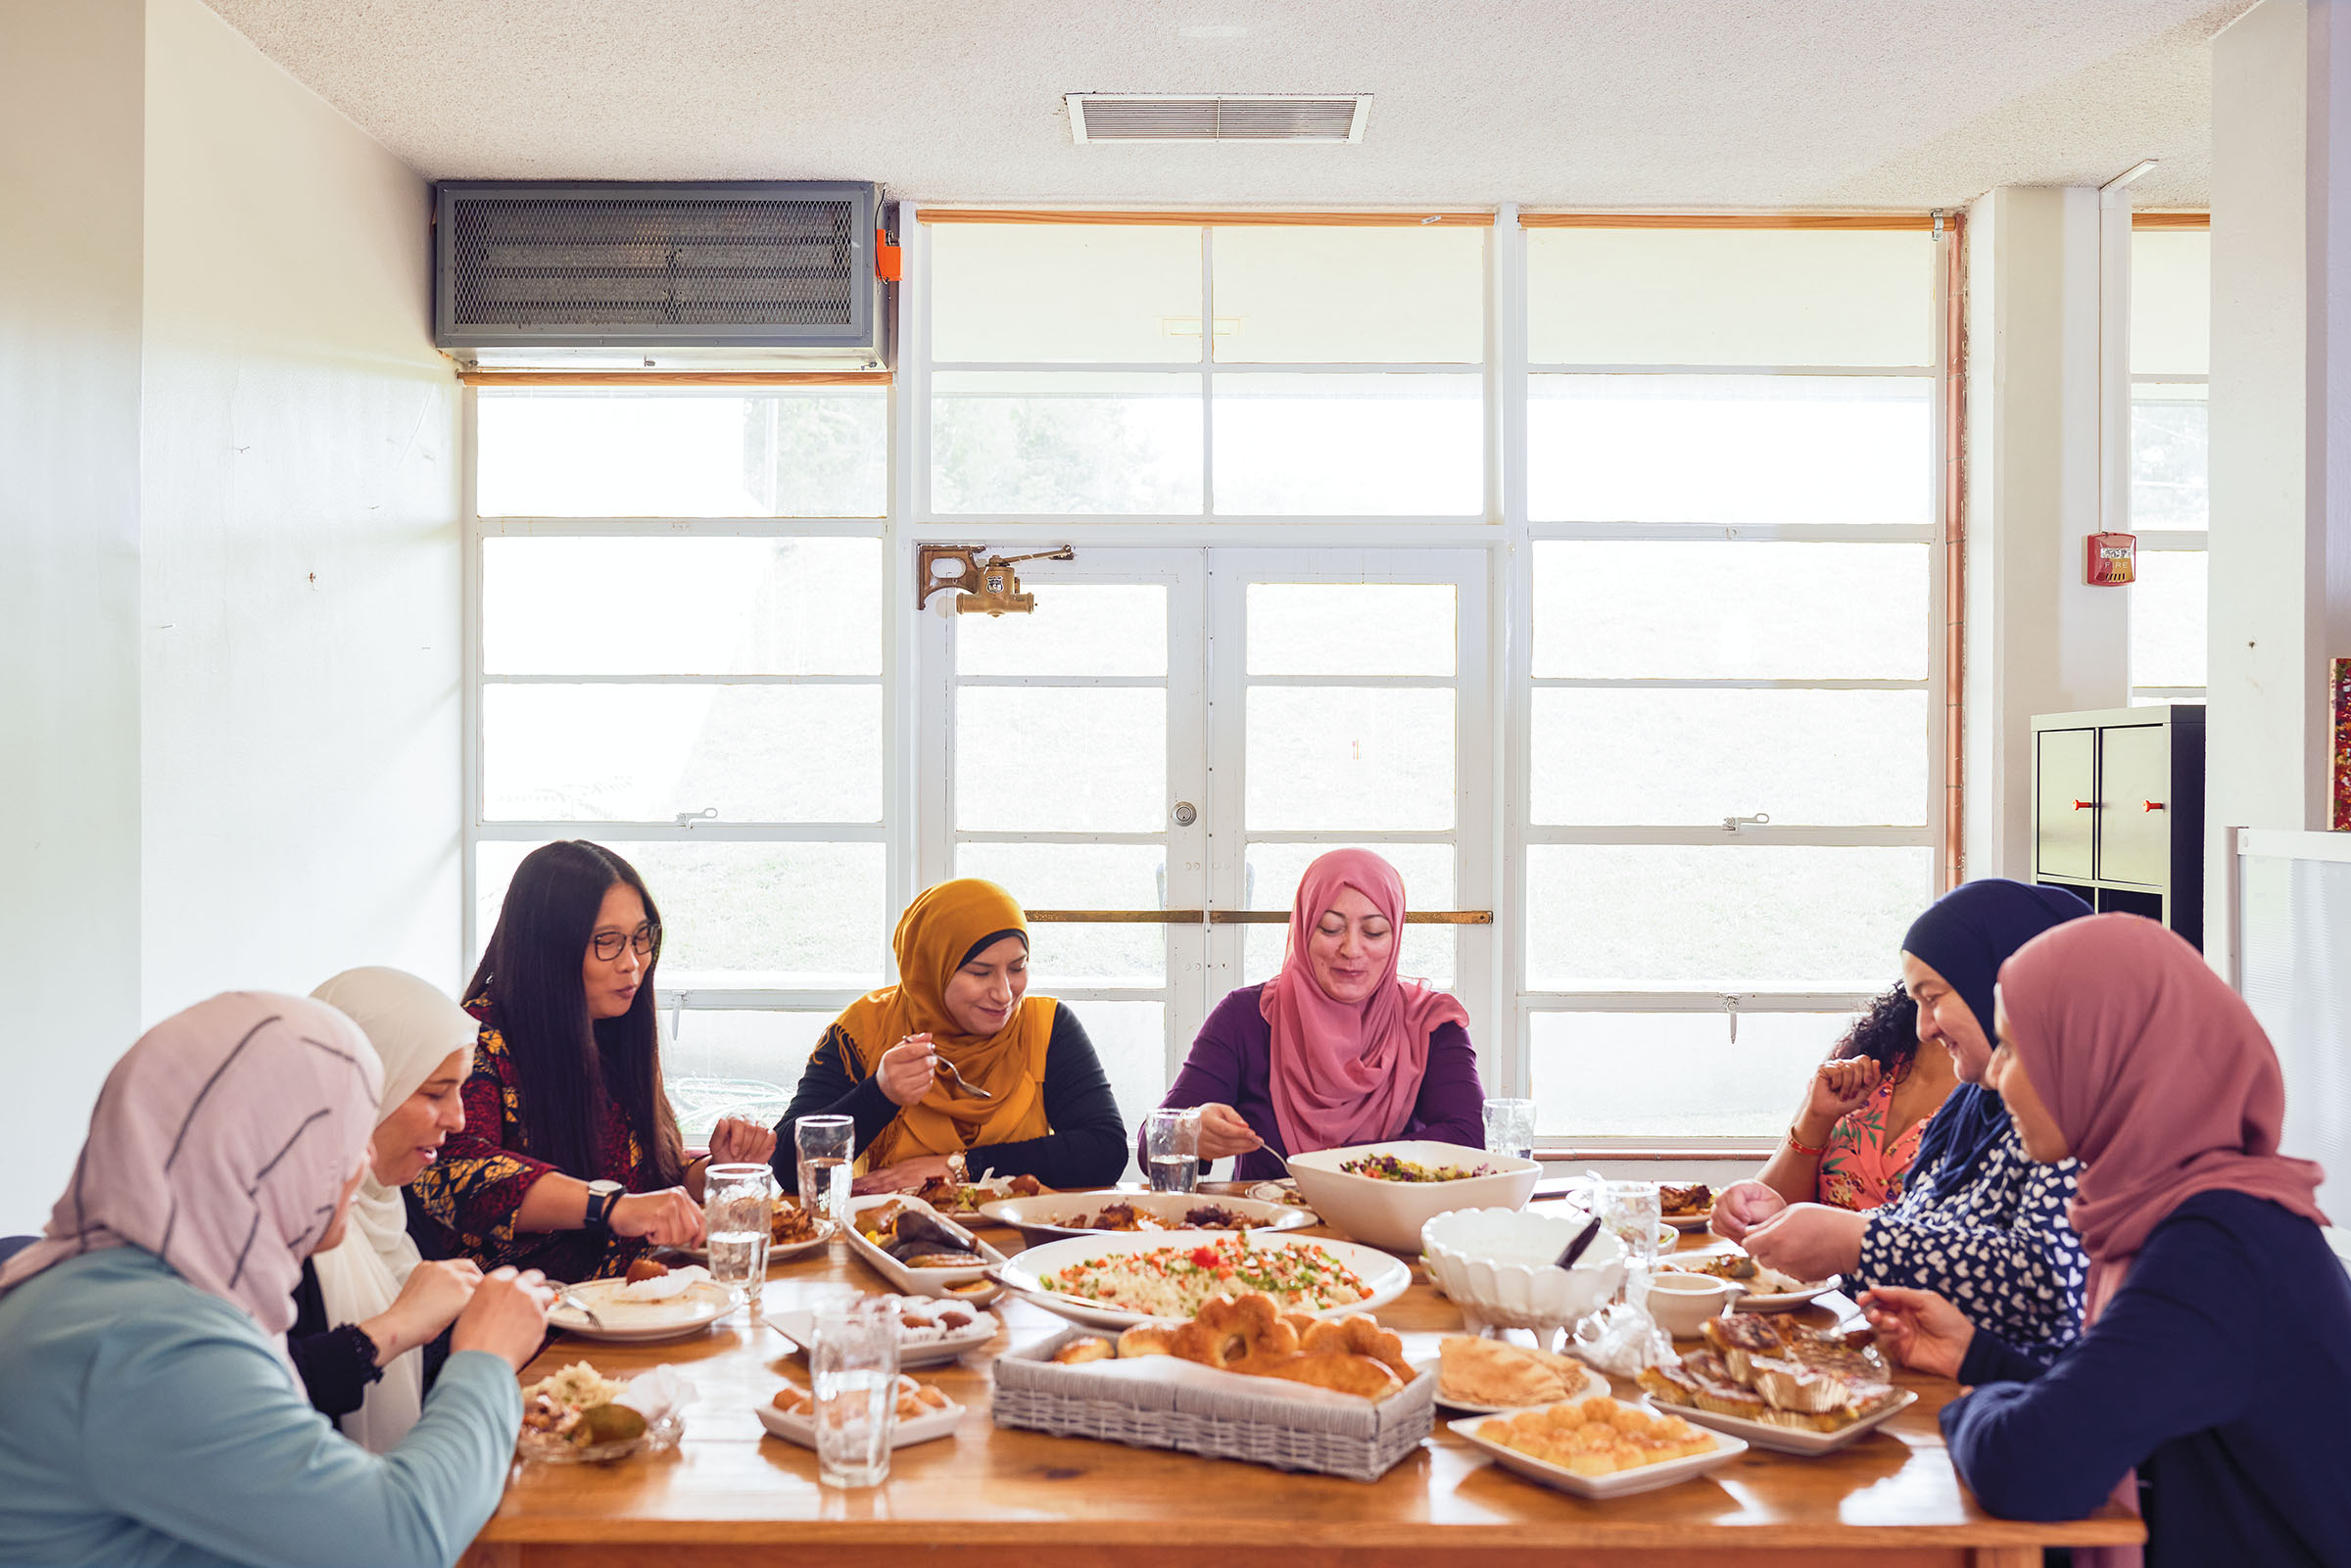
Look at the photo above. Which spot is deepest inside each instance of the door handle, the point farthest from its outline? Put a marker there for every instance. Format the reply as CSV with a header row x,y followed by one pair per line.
x,y
2155,805
2085,805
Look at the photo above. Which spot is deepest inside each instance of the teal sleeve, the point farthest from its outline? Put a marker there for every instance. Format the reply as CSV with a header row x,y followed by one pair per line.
x,y
198,1432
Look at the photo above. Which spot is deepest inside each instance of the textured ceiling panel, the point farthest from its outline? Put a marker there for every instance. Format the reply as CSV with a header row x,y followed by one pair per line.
x,y
1566,103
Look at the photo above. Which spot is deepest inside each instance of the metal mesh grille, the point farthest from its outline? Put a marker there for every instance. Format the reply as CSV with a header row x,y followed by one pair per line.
x,y
1218,118
650,263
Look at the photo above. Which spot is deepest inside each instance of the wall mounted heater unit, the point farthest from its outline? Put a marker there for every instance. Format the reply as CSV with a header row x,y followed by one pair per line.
x,y
567,273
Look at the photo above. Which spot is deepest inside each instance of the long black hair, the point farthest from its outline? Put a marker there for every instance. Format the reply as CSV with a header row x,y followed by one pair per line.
x,y
1886,1032
566,1063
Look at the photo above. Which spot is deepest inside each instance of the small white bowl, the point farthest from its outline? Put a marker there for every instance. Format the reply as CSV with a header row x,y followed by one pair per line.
x,y
1500,1266
1390,1213
1682,1302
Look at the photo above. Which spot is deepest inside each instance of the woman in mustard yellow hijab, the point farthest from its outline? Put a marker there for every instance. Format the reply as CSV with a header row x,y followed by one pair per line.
x,y
962,1001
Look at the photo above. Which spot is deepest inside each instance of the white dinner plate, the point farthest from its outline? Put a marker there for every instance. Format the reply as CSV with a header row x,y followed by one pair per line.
x,y
1384,1274
1042,1218
940,1282
1689,1221
1592,1384
800,1327
802,1429
626,1322
776,1251
1600,1488
1790,1439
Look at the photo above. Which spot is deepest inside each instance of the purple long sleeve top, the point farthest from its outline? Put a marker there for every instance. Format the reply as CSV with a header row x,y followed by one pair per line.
x,y
1231,1063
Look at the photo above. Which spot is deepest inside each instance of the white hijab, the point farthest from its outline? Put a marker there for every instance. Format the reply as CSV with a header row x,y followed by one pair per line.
x,y
414,1028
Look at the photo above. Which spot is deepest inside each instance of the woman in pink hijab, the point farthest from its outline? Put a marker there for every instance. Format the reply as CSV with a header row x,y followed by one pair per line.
x,y
1335,1050
2208,1390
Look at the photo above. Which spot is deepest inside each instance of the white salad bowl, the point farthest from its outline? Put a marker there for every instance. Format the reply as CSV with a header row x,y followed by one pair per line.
x,y
1500,1266
1390,1213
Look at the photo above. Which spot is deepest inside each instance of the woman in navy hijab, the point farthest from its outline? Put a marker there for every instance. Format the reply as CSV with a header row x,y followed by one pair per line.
x,y
1978,1222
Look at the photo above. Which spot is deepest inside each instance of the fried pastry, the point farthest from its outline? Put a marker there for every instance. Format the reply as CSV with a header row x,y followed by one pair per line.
x,y
1147,1339
1084,1350
1358,1375
1597,1436
1232,1329
645,1268
1357,1335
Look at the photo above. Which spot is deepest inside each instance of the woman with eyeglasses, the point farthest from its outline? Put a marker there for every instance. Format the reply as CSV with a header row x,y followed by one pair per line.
x,y
570,1161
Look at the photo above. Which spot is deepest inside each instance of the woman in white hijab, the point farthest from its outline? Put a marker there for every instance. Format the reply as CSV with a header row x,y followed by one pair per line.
x,y
369,1313
150,1414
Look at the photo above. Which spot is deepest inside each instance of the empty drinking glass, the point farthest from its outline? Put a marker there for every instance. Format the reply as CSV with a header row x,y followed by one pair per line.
x,y
1631,1210
826,1146
1172,1150
853,1376
1511,1128
739,1209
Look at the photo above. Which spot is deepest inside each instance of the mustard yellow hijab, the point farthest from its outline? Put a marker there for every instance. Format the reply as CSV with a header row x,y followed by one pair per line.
x,y
936,930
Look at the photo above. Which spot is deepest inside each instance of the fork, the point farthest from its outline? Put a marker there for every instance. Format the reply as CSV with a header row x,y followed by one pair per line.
x,y
572,1301
947,1070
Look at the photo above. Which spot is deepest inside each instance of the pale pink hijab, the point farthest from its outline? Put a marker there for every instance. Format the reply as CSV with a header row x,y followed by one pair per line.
x,y
1348,1072
221,1143
2158,1076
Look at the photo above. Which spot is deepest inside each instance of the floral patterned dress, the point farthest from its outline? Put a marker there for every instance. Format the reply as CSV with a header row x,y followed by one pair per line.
x,y
469,1196
1862,1168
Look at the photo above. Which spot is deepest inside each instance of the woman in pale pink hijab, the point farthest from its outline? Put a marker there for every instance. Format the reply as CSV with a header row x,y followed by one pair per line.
x,y
1336,1049
2208,1390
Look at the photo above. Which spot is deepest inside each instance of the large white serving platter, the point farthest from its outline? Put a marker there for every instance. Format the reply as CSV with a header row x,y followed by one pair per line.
x,y
1040,1218
1385,1275
923,1282
1599,1488
1790,1439
628,1322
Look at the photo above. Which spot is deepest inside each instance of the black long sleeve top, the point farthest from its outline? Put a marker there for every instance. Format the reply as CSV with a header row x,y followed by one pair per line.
x,y
337,1360
1086,1148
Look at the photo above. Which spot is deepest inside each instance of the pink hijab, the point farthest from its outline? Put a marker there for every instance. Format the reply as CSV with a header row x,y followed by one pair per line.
x,y
221,1144
2157,1075
1348,1072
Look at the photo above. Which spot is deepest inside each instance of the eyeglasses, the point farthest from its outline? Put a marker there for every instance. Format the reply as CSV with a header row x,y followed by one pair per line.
x,y
606,945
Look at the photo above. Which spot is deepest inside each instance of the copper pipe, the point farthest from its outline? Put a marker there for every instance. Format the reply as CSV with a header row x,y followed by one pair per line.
x,y
1954,549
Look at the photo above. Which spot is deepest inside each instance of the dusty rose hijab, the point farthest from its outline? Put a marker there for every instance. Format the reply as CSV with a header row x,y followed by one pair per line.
x,y
220,1143
2157,1075
1348,1072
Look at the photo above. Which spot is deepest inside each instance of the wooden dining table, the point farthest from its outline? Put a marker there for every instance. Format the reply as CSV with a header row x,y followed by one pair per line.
x,y
995,1498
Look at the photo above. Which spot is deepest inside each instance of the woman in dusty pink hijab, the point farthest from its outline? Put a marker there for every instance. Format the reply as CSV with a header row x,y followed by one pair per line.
x,y
1337,1049
2207,1390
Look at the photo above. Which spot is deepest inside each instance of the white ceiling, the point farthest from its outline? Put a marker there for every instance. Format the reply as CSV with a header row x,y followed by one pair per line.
x,y
1664,104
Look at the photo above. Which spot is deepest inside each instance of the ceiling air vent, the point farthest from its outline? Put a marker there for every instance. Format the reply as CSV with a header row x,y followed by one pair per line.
x,y
758,265
1218,118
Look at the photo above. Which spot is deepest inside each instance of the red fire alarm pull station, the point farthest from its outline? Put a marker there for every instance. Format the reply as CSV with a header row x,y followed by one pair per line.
x,y
2111,560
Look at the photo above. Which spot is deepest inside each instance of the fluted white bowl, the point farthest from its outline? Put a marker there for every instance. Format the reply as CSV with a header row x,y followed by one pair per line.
x,y
1390,1213
1500,1266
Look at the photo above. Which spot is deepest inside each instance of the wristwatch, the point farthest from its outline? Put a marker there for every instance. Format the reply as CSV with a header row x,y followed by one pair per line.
x,y
601,1196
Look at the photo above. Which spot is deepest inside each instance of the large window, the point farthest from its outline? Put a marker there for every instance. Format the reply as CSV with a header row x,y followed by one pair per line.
x,y
1730,475
2171,483
1587,573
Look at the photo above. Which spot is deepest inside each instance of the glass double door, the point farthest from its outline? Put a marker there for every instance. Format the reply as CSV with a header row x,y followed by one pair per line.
x,y
1150,759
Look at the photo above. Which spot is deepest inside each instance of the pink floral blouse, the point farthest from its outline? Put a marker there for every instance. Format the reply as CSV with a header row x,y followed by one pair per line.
x,y
1863,1169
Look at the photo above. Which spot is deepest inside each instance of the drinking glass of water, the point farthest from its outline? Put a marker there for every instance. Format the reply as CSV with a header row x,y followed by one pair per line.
x,y
853,1376
1511,1128
826,1145
1172,1150
739,1209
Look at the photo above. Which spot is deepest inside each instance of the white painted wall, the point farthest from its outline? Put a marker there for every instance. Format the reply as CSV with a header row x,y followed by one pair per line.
x,y
2039,639
2280,541
301,551
69,150
229,658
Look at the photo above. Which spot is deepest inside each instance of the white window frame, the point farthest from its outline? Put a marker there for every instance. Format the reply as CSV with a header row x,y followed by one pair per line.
x,y
1494,756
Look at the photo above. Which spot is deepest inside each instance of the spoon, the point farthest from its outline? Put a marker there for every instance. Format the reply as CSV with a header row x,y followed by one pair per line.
x,y
1583,1239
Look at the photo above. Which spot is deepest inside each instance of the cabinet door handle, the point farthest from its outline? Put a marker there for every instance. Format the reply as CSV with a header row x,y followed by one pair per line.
x,y
2085,805
2155,805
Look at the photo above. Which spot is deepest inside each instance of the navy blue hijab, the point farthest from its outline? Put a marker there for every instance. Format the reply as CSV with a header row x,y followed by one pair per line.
x,y
1965,936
